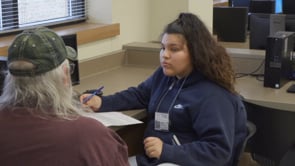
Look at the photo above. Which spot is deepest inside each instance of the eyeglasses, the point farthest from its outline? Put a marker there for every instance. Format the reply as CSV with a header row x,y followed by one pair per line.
x,y
72,67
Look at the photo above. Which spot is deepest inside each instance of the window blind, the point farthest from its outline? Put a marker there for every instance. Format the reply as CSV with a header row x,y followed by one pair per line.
x,y
21,14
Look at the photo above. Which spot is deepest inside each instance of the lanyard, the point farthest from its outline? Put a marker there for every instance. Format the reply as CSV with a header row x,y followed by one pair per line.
x,y
162,119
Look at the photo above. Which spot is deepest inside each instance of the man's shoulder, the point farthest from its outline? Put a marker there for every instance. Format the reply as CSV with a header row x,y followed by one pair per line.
x,y
91,123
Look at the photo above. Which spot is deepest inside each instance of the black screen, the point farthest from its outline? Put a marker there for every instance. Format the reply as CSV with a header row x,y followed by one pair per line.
x,y
290,23
259,30
289,6
258,6
230,23
71,40
239,3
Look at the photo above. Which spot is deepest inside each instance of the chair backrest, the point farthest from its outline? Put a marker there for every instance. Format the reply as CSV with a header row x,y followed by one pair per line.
x,y
251,131
275,134
251,127
289,158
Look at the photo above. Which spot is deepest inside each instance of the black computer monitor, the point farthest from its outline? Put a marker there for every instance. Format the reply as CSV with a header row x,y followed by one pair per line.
x,y
259,30
230,23
71,40
262,25
239,3
265,6
288,6
290,24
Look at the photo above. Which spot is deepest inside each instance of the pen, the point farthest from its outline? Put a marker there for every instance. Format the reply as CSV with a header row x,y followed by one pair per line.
x,y
175,139
94,93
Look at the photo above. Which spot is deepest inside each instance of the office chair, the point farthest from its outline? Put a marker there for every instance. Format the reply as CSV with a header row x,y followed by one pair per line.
x,y
289,158
274,138
251,127
251,131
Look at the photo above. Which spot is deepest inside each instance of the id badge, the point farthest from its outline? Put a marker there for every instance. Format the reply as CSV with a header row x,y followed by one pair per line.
x,y
161,121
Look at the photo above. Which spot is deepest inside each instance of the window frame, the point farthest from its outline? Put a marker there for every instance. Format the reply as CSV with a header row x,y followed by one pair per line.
x,y
9,22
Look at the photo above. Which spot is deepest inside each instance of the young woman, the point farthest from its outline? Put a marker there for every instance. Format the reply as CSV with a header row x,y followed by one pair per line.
x,y
196,118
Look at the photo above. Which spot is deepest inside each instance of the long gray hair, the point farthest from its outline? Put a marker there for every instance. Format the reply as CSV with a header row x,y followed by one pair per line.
x,y
45,95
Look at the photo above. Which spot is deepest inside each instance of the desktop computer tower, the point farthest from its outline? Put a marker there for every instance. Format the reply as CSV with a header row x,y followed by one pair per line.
x,y
279,59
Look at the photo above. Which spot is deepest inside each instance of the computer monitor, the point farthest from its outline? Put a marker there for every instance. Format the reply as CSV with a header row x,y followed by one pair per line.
x,y
239,3
230,23
259,30
288,6
262,25
265,6
290,24
71,40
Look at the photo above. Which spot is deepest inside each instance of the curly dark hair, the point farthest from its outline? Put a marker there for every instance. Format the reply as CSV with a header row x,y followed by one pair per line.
x,y
207,55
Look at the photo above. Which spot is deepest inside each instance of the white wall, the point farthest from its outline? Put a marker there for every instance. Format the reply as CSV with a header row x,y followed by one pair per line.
x,y
140,20
133,16
100,11
165,11
204,9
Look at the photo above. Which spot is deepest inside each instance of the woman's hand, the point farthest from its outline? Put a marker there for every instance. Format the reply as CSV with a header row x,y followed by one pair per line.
x,y
94,103
153,147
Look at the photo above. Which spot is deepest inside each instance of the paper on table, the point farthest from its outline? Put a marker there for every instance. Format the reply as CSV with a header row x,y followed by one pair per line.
x,y
113,118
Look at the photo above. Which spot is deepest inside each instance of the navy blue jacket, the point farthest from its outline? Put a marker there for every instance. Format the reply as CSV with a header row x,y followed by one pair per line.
x,y
209,121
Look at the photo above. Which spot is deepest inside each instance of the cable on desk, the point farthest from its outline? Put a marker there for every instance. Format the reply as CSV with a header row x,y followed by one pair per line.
x,y
240,75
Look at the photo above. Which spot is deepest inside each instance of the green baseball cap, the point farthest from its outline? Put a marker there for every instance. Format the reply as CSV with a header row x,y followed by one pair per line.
x,y
42,48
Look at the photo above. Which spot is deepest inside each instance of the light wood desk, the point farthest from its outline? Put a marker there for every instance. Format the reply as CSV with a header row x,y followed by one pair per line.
x,y
254,92
249,87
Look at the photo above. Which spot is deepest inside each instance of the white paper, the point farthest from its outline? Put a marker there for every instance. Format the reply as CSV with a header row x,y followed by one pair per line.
x,y
113,118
